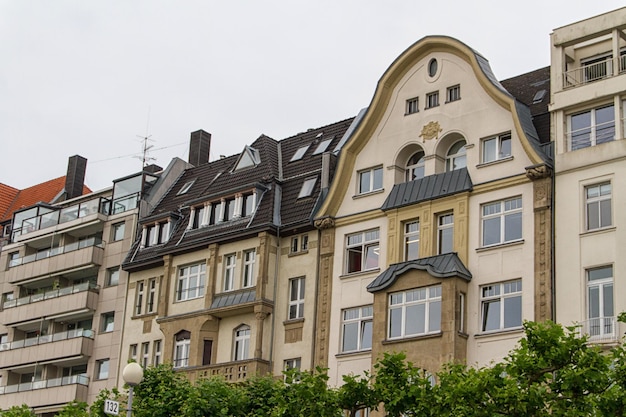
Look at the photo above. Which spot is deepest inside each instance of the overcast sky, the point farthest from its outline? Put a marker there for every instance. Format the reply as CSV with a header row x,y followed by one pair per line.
x,y
92,77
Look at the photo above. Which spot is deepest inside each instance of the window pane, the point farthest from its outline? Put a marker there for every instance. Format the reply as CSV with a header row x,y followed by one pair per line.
x,y
378,179
446,238
605,213
489,150
581,130
512,227
434,316
354,259
607,297
491,231
512,311
600,273
395,322
605,124
505,147
364,182
350,334
491,315
371,257
366,337
593,215
412,248
415,319
594,302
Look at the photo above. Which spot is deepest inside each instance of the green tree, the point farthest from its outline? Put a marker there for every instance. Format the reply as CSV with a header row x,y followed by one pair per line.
x,y
162,393
18,411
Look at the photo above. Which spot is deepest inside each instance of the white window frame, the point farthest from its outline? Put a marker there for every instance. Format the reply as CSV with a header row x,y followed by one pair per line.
x,y
181,353
601,324
249,258
452,159
507,215
373,182
501,294
139,293
604,195
453,93
432,99
411,301
497,145
241,343
132,352
365,243
442,228
411,238
412,106
150,302
590,134
361,320
191,281
145,354
156,352
230,266
296,298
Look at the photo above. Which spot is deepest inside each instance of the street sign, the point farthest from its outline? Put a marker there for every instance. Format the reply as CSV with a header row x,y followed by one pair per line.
x,y
111,407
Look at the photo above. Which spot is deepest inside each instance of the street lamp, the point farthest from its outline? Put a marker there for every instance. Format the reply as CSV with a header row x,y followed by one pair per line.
x,y
132,375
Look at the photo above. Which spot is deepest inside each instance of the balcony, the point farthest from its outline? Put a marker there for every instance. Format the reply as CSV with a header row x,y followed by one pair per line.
x,y
45,393
81,297
47,218
84,253
594,71
49,347
231,371
602,330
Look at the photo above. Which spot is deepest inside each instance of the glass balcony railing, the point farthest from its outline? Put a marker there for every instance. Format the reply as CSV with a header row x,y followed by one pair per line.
x,y
59,250
46,295
52,218
49,338
45,383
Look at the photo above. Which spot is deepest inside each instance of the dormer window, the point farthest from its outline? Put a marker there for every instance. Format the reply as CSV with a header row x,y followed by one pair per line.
x,y
185,187
155,234
249,202
249,157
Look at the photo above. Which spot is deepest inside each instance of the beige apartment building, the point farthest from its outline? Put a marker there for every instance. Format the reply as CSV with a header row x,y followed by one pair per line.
x,y
588,111
63,291
438,218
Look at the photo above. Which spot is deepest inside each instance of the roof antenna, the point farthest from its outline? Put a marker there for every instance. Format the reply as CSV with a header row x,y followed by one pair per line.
x,y
145,158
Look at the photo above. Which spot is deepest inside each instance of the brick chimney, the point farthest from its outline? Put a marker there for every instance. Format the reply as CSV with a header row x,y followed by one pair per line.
x,y
199,147
75,178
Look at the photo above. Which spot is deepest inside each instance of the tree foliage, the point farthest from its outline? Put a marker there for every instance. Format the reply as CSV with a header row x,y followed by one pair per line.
x,y
553,372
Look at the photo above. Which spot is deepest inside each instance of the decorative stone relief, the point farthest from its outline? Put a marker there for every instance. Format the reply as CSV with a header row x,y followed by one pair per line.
x,y
430,130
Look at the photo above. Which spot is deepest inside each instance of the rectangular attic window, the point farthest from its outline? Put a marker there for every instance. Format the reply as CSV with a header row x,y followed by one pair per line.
x,y
185,187
299,153
307,187
323,146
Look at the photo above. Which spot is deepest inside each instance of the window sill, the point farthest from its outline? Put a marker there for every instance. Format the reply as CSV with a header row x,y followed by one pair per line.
x,y
359,273
144,316
497,161
415,112
369,193
302,252
293,323
599,230
500,245
412,338
354,353
500,332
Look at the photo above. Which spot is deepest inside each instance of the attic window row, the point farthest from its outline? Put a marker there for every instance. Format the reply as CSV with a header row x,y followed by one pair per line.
x,y
453,93
321,148
155,234
210,213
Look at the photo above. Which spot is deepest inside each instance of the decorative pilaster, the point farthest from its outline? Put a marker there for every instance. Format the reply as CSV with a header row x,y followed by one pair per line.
x,y
324,295
260,317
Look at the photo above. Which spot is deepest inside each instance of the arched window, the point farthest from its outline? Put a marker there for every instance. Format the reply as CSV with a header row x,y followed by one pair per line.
x,y
415,166
241,346
456,158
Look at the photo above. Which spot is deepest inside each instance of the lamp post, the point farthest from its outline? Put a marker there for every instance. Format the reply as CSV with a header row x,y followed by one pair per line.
x,y
132,375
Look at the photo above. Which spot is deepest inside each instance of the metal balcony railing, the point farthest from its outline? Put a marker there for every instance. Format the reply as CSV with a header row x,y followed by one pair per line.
x,y
59,250
591,136
600,329
46,295
55,337
594,71
46,383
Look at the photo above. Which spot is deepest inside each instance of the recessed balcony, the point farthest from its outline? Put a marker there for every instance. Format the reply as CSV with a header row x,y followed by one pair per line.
x,y
46,392
45,348
78,298
595,71
77,255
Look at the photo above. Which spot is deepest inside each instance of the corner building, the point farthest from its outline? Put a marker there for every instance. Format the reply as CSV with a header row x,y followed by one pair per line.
x,y
436,230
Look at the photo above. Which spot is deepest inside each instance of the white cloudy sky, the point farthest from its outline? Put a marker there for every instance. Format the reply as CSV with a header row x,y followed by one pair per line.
x,y
91,77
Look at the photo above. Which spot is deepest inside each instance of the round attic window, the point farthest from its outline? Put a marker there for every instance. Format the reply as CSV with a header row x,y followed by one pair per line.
x,y
432,67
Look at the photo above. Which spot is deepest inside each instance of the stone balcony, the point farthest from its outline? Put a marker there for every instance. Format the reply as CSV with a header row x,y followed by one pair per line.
x,y
231,371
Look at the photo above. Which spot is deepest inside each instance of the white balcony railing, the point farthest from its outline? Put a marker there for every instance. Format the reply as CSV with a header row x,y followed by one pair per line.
x,y
594,71
55,337
601,329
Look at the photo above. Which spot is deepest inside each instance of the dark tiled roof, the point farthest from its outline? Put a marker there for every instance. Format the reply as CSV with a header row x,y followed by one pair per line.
x,y
440,266
231,299
428,188
278,183
533,90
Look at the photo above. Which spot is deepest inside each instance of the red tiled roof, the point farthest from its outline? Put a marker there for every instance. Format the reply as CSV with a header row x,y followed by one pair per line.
x,y
12,199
